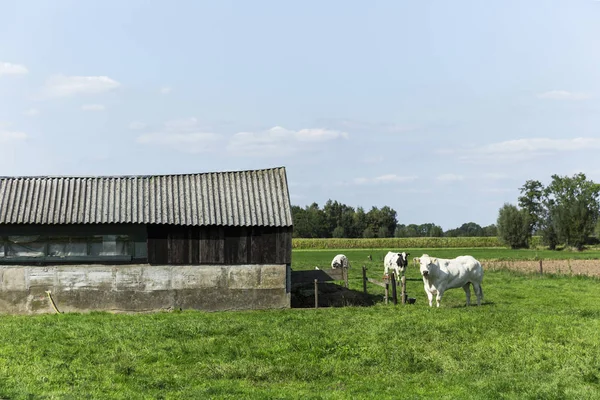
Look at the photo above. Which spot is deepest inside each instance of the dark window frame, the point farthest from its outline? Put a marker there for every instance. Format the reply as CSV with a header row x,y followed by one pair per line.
x,y
136,234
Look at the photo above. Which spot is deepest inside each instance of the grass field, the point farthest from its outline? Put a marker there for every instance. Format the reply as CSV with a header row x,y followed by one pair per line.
x,y
533,338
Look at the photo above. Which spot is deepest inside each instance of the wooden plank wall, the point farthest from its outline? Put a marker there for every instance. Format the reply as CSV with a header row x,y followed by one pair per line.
x,y
219,245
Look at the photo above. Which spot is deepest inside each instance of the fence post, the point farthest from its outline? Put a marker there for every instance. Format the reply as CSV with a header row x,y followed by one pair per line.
x,y
403,286
364,271
394,295
387,289
316,294
541,269
345,275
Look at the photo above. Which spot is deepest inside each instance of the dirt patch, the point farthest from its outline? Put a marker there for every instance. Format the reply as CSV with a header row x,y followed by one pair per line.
x,y
565,267
330,295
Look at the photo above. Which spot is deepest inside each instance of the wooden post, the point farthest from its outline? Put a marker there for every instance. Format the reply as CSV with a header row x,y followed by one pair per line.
x,y
541,269
394,294
316,293
387,289
345,274
403,285
364,271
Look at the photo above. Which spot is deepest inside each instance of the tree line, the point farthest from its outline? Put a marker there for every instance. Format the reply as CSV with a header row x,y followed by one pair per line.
x,y
563,213
337,220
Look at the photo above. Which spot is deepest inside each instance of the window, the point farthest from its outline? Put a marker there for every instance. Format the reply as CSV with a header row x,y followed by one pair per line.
x,y
76,244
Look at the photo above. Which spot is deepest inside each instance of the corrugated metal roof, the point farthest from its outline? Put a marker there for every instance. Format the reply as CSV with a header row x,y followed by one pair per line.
x,y
238,198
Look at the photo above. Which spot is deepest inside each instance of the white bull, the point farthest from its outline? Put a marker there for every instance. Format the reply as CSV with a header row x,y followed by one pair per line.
x,y
340,261
396,261
440,274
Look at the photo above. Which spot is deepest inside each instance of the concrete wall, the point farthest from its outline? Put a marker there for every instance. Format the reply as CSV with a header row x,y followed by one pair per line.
x,y
139,288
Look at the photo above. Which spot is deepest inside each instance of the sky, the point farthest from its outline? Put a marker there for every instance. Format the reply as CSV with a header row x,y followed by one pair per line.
x,y
438,109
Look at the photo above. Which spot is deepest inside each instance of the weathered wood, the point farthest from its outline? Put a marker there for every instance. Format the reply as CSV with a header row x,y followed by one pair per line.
x,y
316,293
394,294
283,241
403,290
373,281
176,247
219,245
364,276
345,273
256,241
269,246
232,245
319,274
387,291
157,245
541,269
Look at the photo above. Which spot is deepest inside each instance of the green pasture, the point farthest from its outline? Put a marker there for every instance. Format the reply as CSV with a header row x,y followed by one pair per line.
x,y
533,338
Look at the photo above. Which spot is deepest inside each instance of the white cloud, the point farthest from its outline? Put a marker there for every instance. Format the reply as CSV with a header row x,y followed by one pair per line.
x,y
166,90
136,125
388,178
319,135
370,127
183,135
450,178
93,107
64,86
279,141
563,95
525,149
12,69
9,136
536,145
32,112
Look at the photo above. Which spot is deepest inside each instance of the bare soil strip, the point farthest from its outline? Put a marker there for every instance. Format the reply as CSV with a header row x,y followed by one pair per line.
x,y
566,267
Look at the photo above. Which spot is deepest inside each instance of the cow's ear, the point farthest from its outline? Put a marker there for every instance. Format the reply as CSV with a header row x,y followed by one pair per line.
x,y
407,254
434,260
417,259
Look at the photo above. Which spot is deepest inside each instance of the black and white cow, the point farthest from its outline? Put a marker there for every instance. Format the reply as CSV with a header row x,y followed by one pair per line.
x,y
397,261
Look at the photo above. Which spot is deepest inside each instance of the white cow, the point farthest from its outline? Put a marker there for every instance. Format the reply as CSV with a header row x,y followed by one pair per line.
x,y
441,274
340,261
396,261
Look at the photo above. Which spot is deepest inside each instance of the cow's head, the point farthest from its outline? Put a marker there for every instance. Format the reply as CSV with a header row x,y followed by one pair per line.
x,y
402,261
426,264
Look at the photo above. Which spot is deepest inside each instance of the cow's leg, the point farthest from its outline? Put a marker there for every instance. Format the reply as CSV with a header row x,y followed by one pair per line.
x,y
467,289
429,296
478,292
438,298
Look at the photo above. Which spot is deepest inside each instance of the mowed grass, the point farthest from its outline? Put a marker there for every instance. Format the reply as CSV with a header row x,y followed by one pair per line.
x,y
533,338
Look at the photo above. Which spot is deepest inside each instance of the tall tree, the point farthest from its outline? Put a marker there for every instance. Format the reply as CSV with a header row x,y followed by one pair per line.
x,y
573,205
532,201
513,226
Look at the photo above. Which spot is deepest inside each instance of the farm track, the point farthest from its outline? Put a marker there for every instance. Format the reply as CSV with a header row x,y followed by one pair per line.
x,y
564,267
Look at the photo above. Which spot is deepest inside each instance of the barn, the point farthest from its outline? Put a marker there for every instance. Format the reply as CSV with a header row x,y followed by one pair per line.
x,y
206,241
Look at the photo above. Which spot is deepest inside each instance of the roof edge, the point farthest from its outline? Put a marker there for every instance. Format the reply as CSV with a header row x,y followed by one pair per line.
x,y
138,176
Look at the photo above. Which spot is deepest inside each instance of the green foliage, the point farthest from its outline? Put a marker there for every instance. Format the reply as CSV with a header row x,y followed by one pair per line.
x,y
368,233
339,232
572,205
531,200
470,229
378,243
414,230
340,220
514,226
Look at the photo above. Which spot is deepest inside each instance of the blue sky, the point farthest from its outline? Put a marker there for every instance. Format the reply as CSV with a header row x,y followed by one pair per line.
x,y
439,109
